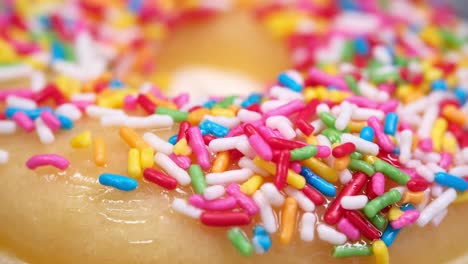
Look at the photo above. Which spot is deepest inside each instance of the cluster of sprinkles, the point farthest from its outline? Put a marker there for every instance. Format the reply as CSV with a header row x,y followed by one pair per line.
x,y
371,123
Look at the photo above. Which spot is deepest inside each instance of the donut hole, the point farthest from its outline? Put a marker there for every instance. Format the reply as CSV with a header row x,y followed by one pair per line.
x,y
232,49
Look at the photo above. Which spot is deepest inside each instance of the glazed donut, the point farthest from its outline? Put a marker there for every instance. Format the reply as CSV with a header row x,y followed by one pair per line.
x,y
230,131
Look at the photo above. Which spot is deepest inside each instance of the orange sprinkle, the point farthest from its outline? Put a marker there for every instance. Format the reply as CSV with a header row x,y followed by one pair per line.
x,y
412,197
221,163
100,151
132,139
453,114
341,163
196,116
288,220
160,102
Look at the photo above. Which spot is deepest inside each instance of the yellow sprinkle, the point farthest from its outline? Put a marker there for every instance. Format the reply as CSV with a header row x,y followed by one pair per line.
x,y
356,127
250,186
394,213
437,133
68,86
430,35
218,111
133,166
81,140
293,179
449,144
462,197
433,74
370,159
311,140
281,24
309,94
112,98
330,69
380,252
147,158
8,53
322,93
321,169
182,148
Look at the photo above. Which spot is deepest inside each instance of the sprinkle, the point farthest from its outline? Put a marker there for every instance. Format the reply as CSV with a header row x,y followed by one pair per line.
x,y
7,127
330,235
391,172
274,197
348,229
266,212
181,206
251,185
243,200
221,219
293,178
321,169
163,161
362,145
119,182
160,178
81,140
132,139
222,162
307,226
40,160
436,206
198,147
24,121
157,143
50,120
354,202
213,192
100,151
452,181
261,240
377,204
198,201
380,250
352,251
238,239
288,220
365,227
318,183
45,134
4,156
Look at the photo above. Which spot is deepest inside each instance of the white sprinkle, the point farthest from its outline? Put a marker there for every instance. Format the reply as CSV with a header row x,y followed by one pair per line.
x,y
322,108
266,212
244,147
307,227
69,110
7,127
157,143
228,176
425,172
283,125
181,206
436,190
247,163
429,117
245,115
436,206
318,125
345,176
223,144
371,92
98,111
362,114
303,201
20,102
229,122
362,145
113,120
284,93
405,142
4,156
171,168
272,194
330,235
345,116
46,136
272,104
88,97
152,121
214,192
434,167
15,71
354,202
459,171
38,81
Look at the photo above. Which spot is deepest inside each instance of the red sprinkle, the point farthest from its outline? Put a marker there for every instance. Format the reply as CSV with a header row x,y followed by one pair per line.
x,y
225,218
250,130
182,130
146,103
335,211
417,185
207,138
313,195
343,150
281,143
160,178
367,229
282,169
305,127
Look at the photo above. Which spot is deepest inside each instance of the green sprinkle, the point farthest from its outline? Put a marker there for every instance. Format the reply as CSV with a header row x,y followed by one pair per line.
x,y
327,119
379,221
177,115
226,101
333,135
347,53
238,239
391,171
360,165
450,40
352,251
356,155
198,179
303,153
68,52
352,84
379,203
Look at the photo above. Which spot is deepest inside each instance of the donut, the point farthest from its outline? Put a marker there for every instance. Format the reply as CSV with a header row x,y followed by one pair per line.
x,y
328,132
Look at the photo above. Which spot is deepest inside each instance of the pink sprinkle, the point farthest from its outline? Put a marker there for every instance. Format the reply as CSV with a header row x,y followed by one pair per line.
x,y
198,146
199,201
182,161
130,102
286,109
296,166
362,102
407,218
82,104
405,126
378,183
50,120
387,87
25,93
389,106
47,159
24,121
157,92
323,152
316,76
425,144
382,139
348,229
446,160
267,132
239,130
261,147
181,99
243,200
411,172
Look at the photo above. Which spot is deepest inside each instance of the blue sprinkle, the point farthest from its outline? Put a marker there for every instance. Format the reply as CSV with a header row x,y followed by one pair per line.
x,y
209,104
331,88
116,84
318,183
461,95
389,235
261,239
361,46
214,128
367,133
251,99
396,151
173,139
407,207
120,182
58,52
31,113
391,123
439,85
449,180
287,81
44,21
65,122
135,6
348,5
